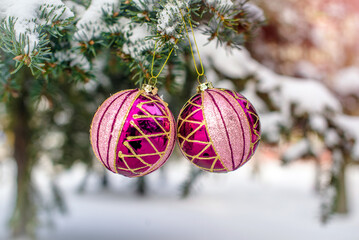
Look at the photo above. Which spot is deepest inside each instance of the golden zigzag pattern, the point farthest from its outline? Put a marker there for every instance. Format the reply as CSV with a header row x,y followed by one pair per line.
x,y
208,144
142,135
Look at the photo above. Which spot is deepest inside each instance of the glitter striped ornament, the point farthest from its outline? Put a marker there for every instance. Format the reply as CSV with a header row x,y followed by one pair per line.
x,y
218,130
133,133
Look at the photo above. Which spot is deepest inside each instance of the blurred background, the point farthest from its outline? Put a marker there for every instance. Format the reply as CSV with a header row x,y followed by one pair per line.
x,y
301,72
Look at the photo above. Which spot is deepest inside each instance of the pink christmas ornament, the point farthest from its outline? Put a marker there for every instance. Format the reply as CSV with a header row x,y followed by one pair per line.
x,y
218,130
132,133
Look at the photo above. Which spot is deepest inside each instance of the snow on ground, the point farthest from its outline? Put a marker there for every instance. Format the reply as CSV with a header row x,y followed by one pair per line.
x,y
279,203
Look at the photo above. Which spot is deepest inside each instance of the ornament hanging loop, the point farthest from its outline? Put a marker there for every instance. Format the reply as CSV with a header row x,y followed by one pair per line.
x,y
154,79
199,77
190,44
200,74
163,66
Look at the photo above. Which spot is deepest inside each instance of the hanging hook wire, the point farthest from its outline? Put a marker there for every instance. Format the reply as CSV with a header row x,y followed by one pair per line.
x,y
190,45
154,77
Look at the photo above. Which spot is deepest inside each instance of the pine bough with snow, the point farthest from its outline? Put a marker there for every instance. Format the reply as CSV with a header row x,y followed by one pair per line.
x,y
59,57
303,113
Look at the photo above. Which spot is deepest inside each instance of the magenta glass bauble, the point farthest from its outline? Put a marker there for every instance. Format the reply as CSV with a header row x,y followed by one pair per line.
x,y
133,133
218,130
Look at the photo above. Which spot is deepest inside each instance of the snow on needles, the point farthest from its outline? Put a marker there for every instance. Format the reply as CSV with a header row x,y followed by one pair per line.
x,y
350,125
270,126
309,96
220,4
297,150
91,24
346,81
26,13
306,95
170,20
254,13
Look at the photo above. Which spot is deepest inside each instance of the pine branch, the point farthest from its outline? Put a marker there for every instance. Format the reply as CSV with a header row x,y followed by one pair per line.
x,y
113,27
31,48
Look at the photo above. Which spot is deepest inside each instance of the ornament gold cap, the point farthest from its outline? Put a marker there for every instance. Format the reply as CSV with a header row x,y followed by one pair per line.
x,y
150,89
204,86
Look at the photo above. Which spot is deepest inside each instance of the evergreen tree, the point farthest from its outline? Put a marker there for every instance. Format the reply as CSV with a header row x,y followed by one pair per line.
x,y
60,60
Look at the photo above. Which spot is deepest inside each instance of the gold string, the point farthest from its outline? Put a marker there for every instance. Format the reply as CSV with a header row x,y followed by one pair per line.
x,y
190,45
200,74
163,66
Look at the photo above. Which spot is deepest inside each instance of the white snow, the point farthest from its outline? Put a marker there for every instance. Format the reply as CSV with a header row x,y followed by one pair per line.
x,y
234,63
145,4
331,138
297,150
305,69
75,58
318,123
170,20
254,13
139,4
250,93
269,81
279,203
226,84
346,81
222,5
270,126
91,24
137,47
26,13
350,125
308,95
76,8
337,162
